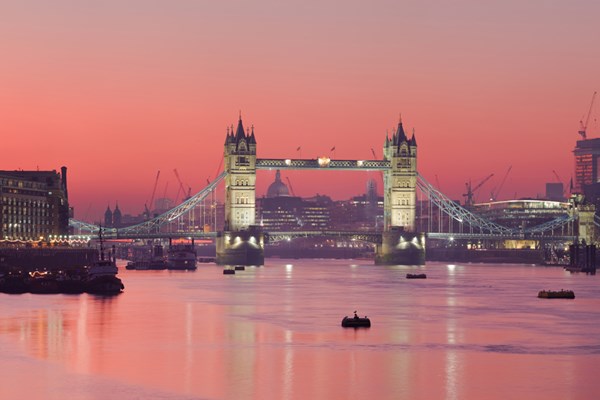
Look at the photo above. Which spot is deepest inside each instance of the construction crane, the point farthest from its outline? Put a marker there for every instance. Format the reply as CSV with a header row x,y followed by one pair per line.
x,y
560,181
147,211
375,158
290,185
557,177
471,190
165,193
181,188
496,193
582,126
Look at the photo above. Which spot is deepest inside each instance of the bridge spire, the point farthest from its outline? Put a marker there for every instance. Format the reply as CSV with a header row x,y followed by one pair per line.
x,y
239,133
400,135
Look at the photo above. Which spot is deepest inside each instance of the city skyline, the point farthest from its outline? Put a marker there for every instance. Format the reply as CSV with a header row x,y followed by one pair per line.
x,y
118,91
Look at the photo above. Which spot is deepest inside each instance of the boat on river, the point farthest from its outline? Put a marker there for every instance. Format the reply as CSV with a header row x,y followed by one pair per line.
x,y
102,274
181,255
416,276
556,294
140,265
356,322
14,283
43,282
156,261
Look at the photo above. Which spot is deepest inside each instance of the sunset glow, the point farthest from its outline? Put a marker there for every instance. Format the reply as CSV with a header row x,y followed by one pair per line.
x,y
121,89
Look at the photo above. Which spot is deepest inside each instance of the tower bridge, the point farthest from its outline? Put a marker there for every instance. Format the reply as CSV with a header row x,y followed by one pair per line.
x,y
401,242
242,241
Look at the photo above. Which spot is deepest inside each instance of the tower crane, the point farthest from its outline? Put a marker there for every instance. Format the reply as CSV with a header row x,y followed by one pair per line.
x,y
375,158
147,211
471,190
181,188
560,181
496,193
557,177
290,184
582,126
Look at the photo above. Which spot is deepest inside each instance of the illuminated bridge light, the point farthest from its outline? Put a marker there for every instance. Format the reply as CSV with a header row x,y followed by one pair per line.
x,y
324,161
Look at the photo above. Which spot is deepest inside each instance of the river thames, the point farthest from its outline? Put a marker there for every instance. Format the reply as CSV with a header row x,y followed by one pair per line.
x,y
468,331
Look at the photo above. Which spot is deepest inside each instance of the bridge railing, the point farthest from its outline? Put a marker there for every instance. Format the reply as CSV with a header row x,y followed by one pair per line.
x,y
459,213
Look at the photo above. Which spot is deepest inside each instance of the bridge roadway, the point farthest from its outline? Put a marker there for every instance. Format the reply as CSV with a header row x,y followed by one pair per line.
x,y
364,236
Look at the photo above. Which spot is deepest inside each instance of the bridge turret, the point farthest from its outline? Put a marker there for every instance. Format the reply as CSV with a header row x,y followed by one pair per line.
x,y
241,242
240,165
401,181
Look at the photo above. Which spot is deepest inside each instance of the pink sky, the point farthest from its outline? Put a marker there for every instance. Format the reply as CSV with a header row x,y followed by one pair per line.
x,y
116,90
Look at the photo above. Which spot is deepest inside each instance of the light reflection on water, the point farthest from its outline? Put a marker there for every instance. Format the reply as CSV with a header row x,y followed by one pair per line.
x,y
466,332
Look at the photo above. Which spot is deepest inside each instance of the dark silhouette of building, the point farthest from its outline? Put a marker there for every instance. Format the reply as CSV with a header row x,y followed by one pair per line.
x,y
117,217
108,217
555,191
113,219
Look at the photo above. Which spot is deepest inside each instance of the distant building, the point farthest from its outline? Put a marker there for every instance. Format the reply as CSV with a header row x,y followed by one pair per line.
x,y
108,217
522,213
117,217
113,219
587,159
555,191
364,212
279,211
34,204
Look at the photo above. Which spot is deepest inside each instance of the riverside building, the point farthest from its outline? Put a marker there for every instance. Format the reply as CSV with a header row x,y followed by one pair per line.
x,y
34,205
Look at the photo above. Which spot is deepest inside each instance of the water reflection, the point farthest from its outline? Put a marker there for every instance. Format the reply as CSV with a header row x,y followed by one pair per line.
x,y
274,333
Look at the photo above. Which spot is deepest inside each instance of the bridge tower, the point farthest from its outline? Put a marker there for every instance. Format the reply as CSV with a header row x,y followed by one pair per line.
x,y
400,243
241,242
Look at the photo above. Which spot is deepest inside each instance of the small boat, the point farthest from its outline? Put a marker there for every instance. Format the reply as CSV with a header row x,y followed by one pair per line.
x,y
556,294
240,268
356,322
229,271
416,276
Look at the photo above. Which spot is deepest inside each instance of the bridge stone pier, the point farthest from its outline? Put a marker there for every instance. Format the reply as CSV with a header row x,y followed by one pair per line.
x,y
242,241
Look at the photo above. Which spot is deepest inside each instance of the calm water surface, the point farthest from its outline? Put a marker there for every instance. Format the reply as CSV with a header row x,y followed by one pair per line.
x,y
469,331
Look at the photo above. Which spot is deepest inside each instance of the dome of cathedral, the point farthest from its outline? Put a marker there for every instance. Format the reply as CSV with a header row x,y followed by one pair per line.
x,y
278,188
